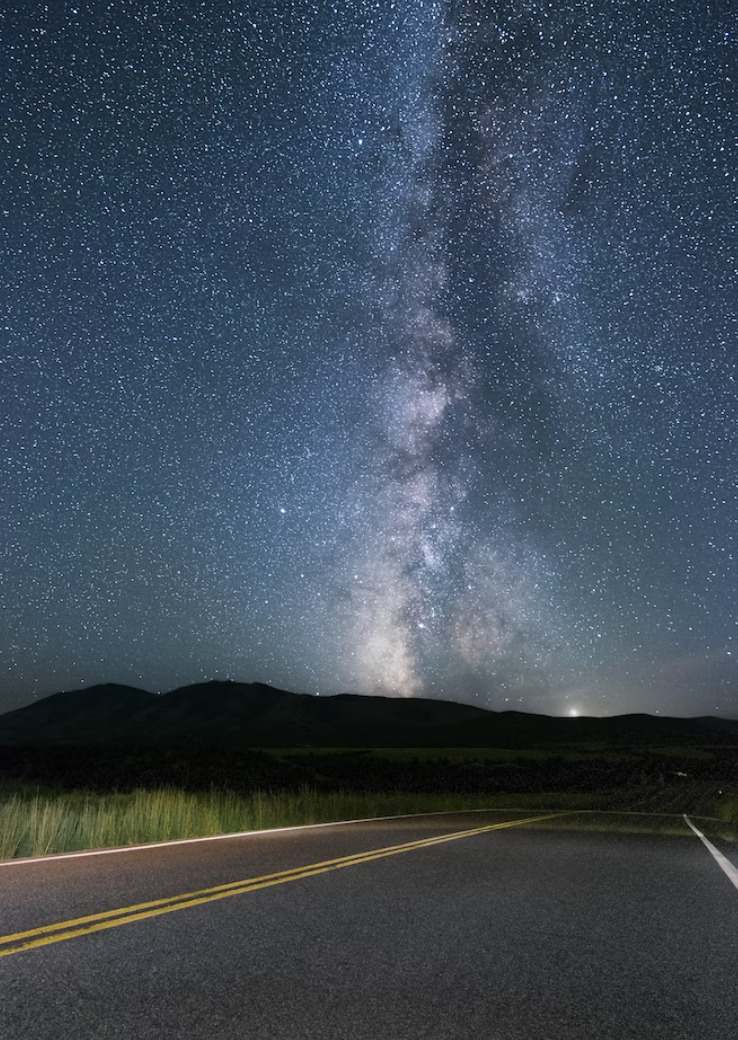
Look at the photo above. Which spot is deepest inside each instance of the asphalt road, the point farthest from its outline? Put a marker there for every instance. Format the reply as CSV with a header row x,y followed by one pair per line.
x,y
525,932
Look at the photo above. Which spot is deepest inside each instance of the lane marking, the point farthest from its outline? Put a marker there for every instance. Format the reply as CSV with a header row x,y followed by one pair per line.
x,y
722,861
19,942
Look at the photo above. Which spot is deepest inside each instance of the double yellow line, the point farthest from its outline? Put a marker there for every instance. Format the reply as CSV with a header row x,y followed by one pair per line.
x,y
62,930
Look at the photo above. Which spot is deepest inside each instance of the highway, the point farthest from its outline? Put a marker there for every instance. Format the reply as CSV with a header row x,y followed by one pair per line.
x,y
450,926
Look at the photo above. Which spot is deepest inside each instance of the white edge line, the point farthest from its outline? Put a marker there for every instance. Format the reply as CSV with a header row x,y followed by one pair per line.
x,y
303,827
245,834
722,861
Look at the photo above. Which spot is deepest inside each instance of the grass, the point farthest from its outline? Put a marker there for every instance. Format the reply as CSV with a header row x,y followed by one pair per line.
x,y
38,823
725,809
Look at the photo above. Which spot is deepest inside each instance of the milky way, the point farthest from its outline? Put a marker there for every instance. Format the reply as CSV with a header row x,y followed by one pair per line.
x,y
384,347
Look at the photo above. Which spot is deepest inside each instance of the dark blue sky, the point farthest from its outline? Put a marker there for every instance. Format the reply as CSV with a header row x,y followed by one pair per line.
x,y
382,347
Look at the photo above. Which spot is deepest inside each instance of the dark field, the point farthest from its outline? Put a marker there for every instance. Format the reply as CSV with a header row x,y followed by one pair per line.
x,y
670,779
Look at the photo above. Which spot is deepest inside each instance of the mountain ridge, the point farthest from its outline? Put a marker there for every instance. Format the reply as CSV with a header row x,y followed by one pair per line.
x,y
258,715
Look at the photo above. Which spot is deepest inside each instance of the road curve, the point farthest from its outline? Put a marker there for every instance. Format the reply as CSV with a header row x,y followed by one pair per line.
x,y
434,927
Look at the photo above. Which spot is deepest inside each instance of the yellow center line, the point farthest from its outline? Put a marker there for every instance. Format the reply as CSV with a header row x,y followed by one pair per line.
x,y
61,930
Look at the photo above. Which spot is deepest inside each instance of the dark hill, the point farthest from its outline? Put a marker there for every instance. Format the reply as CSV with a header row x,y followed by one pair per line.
x,y
255,715
79,713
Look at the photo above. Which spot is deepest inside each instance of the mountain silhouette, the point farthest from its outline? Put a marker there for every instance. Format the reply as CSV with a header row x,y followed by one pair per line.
x,y
259,716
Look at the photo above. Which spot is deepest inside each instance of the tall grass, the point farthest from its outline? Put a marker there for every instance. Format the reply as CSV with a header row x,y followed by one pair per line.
x,y
35,823
726,810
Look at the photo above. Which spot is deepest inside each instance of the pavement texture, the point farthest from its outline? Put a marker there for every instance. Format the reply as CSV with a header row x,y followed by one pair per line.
x,y
518,934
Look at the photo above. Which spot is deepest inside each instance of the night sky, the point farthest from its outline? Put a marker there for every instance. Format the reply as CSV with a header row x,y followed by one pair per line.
x,y
382,347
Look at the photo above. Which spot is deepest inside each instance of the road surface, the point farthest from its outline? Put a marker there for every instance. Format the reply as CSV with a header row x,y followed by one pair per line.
x,y
376,930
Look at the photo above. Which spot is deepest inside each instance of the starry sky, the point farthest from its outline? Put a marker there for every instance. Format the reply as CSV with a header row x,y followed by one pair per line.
x,y
384,347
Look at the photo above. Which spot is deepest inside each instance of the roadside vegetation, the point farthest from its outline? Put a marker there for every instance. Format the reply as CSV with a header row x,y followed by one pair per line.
x,y
37,822
725,809
65,797
41,823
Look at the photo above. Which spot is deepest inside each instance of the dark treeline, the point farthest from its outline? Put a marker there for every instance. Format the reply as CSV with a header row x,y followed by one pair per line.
x,y
110,767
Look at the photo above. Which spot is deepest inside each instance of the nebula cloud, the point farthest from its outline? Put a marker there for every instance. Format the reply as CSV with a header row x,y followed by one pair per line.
x,y
428,587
